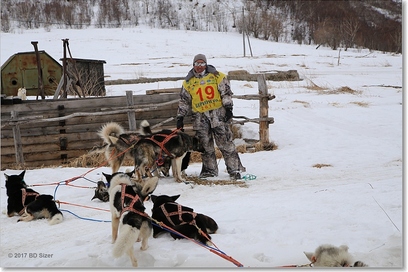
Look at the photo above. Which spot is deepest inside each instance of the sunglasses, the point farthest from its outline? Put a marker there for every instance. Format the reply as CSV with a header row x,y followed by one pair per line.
x,y
202,64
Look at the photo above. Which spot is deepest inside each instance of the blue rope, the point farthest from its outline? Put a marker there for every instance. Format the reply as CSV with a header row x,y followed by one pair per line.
x,y
68,211
85,218
90,180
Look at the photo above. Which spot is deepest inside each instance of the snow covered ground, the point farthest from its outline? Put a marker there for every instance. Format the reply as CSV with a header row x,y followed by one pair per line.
x,y
292,206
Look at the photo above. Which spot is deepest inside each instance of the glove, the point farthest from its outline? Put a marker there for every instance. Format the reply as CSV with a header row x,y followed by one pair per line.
x,y
180,123
228,114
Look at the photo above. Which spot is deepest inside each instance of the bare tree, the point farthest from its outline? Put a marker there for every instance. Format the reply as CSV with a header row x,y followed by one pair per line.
x,y
327,34
253,20
5,21
350,27
396,38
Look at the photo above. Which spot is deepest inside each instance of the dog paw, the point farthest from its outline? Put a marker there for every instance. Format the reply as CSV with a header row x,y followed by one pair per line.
x,y
143,248
209,243
179,180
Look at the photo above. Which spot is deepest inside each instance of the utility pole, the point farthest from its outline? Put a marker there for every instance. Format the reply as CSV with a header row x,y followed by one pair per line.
x,y
243,29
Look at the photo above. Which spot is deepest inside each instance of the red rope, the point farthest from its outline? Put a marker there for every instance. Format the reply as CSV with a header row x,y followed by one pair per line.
x,y
221,254
83,206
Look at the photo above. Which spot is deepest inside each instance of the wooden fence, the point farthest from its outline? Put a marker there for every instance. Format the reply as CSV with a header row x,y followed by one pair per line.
x,y
55,132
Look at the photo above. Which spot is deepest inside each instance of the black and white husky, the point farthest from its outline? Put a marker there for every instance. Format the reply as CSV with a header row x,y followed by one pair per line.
x,y
28,203
42,207
130,223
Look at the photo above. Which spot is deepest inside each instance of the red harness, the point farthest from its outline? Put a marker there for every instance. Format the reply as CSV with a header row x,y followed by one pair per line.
x,y
167,137
24,194
132,141
179,212
134,198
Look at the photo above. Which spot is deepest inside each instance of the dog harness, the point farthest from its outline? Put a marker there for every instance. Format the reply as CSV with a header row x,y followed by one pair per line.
x,y
179,213
132,141
24,194
134,198
161,144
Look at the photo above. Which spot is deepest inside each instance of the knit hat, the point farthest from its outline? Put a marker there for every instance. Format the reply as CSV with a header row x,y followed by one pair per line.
x,y
200,57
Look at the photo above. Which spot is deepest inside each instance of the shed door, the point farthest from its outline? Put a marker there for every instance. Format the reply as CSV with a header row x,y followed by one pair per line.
x,y
30,78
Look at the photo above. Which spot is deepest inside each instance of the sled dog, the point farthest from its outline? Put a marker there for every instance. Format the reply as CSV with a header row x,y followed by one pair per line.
x,y
182,219
118,144
164,145
168,164
18,194
331,256
130,223
101,192
42,207
28,203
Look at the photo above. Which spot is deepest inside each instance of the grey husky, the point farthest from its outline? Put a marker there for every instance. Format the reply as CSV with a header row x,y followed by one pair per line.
x,y
119,144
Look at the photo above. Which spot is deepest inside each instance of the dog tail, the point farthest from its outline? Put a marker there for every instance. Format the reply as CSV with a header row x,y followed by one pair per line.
x,y
56,219
110,129
126,239
145,128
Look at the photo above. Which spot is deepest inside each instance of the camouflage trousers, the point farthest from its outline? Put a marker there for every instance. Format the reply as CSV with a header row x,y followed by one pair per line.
x,y
222,136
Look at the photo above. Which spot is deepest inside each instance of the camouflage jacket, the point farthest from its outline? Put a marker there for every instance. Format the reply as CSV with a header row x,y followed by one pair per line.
x,y
215,117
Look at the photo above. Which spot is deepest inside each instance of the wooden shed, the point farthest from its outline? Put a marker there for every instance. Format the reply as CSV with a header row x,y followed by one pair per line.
x,y
21,70
88,74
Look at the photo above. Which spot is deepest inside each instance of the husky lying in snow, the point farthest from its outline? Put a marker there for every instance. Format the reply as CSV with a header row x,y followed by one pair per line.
x,y
182,219
28,203
331,256
42,207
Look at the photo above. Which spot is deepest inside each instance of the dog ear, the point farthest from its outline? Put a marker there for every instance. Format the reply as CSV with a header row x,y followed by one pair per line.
x,y
344,247
149,186
175,197
101,184
310,256
22,174
130,174
108,178
113,139
153,198
95,195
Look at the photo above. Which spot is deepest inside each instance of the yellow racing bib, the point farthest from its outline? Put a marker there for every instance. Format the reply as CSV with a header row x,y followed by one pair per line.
x,y
204,92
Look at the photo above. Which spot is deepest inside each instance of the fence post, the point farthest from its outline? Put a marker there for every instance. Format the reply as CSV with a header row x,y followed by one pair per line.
x,y
131,114
263,110
17,140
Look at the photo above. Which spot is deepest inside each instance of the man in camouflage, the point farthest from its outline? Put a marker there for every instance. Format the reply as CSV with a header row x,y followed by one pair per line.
x,y
207,94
